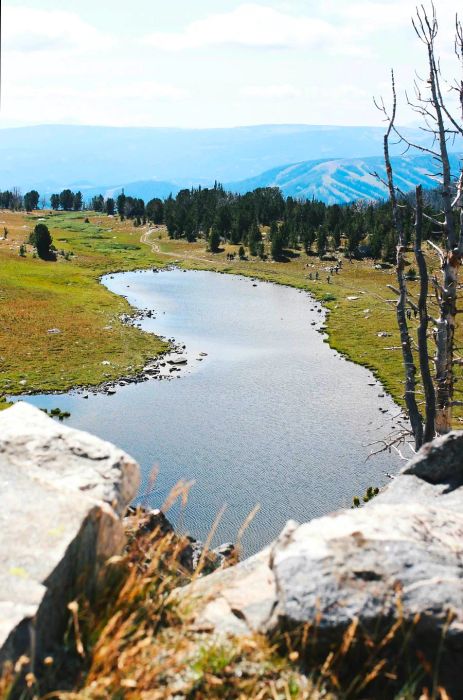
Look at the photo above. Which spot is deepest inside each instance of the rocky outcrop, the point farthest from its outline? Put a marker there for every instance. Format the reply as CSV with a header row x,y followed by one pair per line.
x,y
394,568
397,561
63,492
191,553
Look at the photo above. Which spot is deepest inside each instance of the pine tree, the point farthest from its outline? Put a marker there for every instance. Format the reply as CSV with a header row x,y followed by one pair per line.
x,y
110,206
121,205
42,240
31,200
254,237
77,203
214,240
276,240
66,200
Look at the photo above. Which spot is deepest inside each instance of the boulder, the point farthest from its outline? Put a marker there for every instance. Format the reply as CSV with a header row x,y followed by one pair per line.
x,y
63,492
398,560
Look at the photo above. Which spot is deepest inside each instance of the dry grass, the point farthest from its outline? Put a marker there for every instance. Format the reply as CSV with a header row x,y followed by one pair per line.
x,y
134,641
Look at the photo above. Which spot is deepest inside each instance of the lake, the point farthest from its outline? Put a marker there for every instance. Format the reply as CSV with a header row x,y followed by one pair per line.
x,y
271,414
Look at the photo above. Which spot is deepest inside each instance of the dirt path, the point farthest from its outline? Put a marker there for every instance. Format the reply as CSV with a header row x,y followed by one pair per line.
x,y
145,238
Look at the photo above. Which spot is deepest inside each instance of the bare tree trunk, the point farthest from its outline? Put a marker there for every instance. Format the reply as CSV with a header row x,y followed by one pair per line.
x,y
416,420
451,259
442,125
426,378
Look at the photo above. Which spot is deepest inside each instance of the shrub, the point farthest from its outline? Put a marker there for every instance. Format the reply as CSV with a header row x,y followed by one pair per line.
x,y
41,239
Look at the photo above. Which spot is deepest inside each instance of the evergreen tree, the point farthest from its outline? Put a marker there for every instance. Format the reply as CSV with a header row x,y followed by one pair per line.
x,y
54,201
31,200
155,211
214,240
110,206
42,240
322,240
66,200
98,203
77,203
169,217
254,237
224,221
277,241
121,205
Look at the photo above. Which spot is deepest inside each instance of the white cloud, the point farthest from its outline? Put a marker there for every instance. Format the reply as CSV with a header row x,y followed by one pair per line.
x,y
377,15
141,91
144,90
251,26
30,30
271,92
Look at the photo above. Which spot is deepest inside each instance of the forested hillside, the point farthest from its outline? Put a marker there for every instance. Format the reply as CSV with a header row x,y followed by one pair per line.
x,y
218,216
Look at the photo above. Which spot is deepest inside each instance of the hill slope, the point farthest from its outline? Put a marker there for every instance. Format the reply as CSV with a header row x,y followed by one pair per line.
x,y
331,181
344,180
52,157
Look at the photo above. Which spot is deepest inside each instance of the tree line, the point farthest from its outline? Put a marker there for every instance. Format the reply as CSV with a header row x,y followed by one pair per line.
x,y
364,228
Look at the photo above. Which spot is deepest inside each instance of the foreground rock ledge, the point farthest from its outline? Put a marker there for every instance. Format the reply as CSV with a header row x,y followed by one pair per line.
x,y
401,557
63,492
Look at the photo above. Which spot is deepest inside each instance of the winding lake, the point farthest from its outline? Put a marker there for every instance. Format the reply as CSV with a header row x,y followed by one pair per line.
x,y
271,415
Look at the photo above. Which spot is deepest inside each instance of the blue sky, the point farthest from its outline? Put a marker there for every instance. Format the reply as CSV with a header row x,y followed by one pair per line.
x,y
200,63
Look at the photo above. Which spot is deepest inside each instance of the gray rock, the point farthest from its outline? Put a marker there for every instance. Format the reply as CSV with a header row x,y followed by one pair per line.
x,y
62,494
146,521
238,600
399,559
226,551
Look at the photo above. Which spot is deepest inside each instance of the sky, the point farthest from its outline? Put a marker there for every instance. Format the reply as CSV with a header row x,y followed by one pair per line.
x,y
210,63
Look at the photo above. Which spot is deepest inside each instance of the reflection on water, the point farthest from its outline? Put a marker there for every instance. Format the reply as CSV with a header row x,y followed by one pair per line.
x,y
271,415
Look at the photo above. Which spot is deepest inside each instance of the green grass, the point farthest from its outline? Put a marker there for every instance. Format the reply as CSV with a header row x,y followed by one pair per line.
x,y
353,326
37,296
350,330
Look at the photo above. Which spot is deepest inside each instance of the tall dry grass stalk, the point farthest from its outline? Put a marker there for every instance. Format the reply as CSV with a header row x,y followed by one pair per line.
x,y
133,642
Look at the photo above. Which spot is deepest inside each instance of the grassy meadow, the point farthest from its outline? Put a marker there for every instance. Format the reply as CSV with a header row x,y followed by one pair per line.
x,y
37,296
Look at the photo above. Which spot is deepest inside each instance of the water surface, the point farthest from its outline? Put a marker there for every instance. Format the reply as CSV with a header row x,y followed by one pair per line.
x,y
271,415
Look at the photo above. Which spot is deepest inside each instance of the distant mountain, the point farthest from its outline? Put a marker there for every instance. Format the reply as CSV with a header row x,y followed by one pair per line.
x,y
331,181
345,180
52,157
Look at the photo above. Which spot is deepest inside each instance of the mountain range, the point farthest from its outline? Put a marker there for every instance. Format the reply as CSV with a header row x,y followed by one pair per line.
x,y
344,180
331,163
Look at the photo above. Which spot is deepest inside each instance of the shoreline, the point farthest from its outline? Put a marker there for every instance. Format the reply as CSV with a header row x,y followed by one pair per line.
x,y
150,370
341,332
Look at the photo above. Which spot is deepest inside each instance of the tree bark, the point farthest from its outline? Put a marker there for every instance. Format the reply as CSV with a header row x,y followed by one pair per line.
x,y
426,378
416,420
450,263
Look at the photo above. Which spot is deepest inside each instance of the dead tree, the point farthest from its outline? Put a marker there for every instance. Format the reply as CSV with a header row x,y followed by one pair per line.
x,y
422,332
442,126
433,105
416,420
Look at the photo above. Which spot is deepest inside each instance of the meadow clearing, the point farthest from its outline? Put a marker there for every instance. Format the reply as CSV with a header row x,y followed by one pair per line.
x,y
38,298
